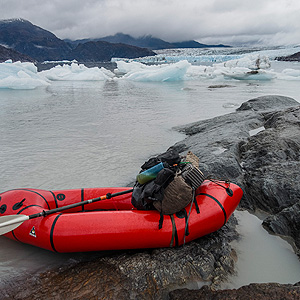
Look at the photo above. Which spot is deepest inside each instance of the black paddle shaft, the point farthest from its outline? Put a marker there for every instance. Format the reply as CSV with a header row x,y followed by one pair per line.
x,y
45,213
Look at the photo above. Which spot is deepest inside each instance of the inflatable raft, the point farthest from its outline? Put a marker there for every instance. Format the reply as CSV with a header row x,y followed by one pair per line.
x,y
114,223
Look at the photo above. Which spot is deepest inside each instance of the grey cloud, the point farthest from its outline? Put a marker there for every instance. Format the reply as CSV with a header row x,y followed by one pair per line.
x,y
218,21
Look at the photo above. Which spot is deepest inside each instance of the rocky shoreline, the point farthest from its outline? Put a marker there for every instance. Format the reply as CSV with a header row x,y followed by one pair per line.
x,y
266,164
252,291
256,147
293,57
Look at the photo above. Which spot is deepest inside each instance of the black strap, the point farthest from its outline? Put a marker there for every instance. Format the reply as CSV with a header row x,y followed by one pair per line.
x,y
52,232
174,232
188,216
183,214
219,203
161,220
196,205
217,182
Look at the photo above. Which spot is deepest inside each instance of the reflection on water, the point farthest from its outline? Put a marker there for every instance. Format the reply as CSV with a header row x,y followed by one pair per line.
x,y
262,257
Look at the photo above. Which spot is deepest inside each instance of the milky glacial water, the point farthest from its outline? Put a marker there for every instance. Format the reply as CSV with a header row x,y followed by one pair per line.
x,y
86,134
261,257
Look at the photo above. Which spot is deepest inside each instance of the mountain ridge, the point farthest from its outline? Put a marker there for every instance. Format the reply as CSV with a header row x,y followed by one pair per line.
x,y
34,41
146,41
42,45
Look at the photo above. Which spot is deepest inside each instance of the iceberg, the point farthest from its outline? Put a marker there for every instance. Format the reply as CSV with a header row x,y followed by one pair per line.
x,y
20,76
250,67
171,65
289,74
124,67
77,72
159,73
252,62
246,68
65,61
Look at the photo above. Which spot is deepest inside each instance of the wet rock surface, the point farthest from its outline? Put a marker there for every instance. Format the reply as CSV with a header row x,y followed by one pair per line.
x,y
265,165
265,291
145,274
286,223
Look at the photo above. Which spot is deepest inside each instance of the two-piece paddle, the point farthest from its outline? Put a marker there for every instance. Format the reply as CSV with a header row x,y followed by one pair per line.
x,y
11,222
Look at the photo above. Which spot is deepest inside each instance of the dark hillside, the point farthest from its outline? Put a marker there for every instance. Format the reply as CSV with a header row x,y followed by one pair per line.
x,y
40,44
31,40
6,53
293,57
104,51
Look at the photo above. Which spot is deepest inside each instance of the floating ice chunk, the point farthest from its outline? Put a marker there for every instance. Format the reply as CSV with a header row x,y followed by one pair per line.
x,y
58,61
230,105
201,72
252,62
20,75
289,74
256,130
169,72
77,72
127,67
241,69
247,74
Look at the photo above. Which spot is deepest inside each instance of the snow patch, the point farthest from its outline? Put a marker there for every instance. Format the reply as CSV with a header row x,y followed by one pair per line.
x,y
256,130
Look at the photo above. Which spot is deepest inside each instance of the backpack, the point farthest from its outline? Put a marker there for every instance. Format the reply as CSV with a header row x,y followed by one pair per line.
x,y
171,190
144,195
174,186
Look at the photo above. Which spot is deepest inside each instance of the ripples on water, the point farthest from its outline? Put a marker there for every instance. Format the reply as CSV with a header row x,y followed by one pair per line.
x,y
87,134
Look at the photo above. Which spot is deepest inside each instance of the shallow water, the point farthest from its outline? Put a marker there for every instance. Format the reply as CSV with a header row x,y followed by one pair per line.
x,y
87,134
262,257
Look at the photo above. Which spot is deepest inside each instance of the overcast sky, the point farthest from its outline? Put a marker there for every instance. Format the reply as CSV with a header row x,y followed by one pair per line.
x,y
271,22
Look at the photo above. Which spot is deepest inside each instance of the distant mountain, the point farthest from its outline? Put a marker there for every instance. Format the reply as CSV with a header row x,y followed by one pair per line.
x,y
194,44
147,41
6,53
104,51
29,39
40,44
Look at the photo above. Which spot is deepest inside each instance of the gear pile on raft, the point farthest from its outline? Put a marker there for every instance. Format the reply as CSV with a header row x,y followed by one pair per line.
x,y
171,203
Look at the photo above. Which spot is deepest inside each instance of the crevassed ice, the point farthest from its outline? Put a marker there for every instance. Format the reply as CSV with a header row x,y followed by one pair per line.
x,y
247,66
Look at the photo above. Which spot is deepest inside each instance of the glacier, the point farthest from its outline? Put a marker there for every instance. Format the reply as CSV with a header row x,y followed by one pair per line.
x,y
174,65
